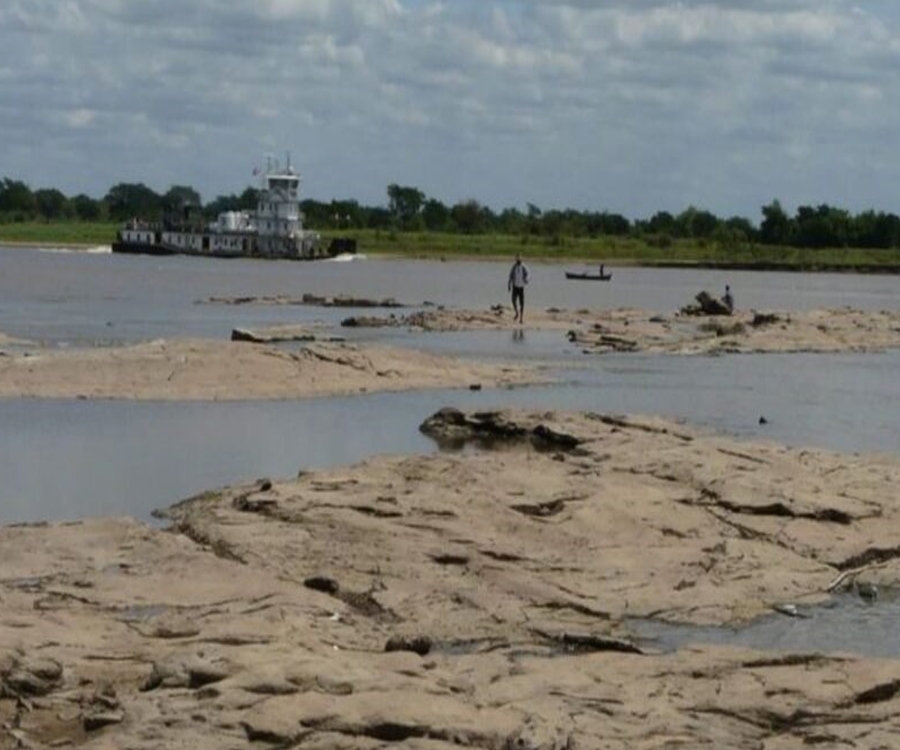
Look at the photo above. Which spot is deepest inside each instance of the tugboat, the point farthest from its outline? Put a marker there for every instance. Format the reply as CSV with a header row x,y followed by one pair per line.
x,y
274,230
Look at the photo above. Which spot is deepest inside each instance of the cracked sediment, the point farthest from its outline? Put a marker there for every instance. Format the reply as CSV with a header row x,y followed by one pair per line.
x,y
477,598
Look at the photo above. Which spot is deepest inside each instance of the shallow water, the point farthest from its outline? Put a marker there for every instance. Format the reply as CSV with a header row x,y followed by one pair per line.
x,y
847,623
71,458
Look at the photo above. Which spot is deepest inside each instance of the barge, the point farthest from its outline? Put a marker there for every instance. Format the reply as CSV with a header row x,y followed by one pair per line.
x,y
274,230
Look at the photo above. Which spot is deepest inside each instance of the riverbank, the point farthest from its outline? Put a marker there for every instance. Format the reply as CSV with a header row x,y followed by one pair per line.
x,y
648,251
477,598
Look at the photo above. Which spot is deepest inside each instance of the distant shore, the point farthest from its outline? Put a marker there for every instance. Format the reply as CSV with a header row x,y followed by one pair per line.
x,y
610,250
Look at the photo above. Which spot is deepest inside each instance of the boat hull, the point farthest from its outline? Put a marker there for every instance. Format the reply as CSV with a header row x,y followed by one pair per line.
x,y
135,248
588,276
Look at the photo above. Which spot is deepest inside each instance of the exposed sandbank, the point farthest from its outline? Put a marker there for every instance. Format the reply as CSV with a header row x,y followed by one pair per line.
x,y
471,599
747,331
185,369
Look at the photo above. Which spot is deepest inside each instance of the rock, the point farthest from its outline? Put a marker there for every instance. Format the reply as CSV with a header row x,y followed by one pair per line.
x,y
185,672
322,583
764,319
31,676
420,645
94,721
867,591
706,304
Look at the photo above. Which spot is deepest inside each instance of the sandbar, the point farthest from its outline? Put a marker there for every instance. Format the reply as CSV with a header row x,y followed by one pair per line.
x,y
480,597
636,330
202,369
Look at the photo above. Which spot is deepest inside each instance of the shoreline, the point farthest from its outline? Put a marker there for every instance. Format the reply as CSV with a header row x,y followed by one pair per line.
x,y
812,267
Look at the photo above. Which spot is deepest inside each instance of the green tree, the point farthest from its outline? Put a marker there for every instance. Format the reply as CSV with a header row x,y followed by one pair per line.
x,y
662,222
51,203
133,200
435,215
248,200
871,229
822,226
512,221
179,198
16,198
86,208
694,222
470,217
604,223
404,204
378,218
776,227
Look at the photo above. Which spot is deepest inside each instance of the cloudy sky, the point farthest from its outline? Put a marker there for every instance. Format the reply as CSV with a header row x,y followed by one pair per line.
x,y
632,106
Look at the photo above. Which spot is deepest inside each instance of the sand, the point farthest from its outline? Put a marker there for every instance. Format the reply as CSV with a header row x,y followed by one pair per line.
x,y
477,598
635,330
183,369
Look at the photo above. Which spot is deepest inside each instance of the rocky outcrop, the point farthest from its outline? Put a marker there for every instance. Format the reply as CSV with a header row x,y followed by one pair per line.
x,y
706,304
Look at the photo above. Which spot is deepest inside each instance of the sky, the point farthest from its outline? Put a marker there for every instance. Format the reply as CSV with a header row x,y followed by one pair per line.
x,y
628,106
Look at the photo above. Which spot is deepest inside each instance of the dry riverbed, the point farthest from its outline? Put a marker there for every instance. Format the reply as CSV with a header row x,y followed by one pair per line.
x,y
476,598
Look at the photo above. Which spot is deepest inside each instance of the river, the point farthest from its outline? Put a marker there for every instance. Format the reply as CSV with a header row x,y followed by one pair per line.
x,y
64,459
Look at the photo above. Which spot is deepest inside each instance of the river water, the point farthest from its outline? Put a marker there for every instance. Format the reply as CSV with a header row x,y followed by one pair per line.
x,y
62,459
65,459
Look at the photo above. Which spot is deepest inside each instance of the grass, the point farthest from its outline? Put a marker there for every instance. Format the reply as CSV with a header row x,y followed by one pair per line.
x,y
74,233
651,251
624,251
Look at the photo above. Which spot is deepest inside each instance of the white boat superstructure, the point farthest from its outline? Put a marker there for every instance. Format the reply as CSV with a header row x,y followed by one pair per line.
x,y
274,230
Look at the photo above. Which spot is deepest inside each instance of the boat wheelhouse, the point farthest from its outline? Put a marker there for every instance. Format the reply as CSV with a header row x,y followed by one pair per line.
x,y
274,230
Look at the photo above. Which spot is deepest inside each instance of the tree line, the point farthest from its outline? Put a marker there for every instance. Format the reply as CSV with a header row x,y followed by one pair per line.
x,y
409,209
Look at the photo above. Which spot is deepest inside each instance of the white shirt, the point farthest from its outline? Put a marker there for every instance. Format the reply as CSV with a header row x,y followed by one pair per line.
x,y
518,275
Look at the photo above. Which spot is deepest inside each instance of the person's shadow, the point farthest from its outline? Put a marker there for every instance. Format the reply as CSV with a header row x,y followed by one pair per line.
x,y
518,336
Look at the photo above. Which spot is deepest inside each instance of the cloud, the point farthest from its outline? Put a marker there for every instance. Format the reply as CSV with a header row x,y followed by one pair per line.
x,y
634,106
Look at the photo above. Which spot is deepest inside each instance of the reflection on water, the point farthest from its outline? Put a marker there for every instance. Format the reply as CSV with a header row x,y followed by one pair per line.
x,y
846,624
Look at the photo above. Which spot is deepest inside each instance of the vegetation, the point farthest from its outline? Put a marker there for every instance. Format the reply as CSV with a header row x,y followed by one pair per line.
x,y
413,224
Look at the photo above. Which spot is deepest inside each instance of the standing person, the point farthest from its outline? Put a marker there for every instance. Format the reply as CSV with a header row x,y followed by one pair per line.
x,y
728,299
518,278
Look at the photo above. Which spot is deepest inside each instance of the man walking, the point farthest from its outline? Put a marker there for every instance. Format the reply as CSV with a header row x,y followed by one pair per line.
x,y
518,278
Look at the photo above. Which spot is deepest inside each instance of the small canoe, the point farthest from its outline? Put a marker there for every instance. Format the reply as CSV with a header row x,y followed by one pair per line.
x,y
588,276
